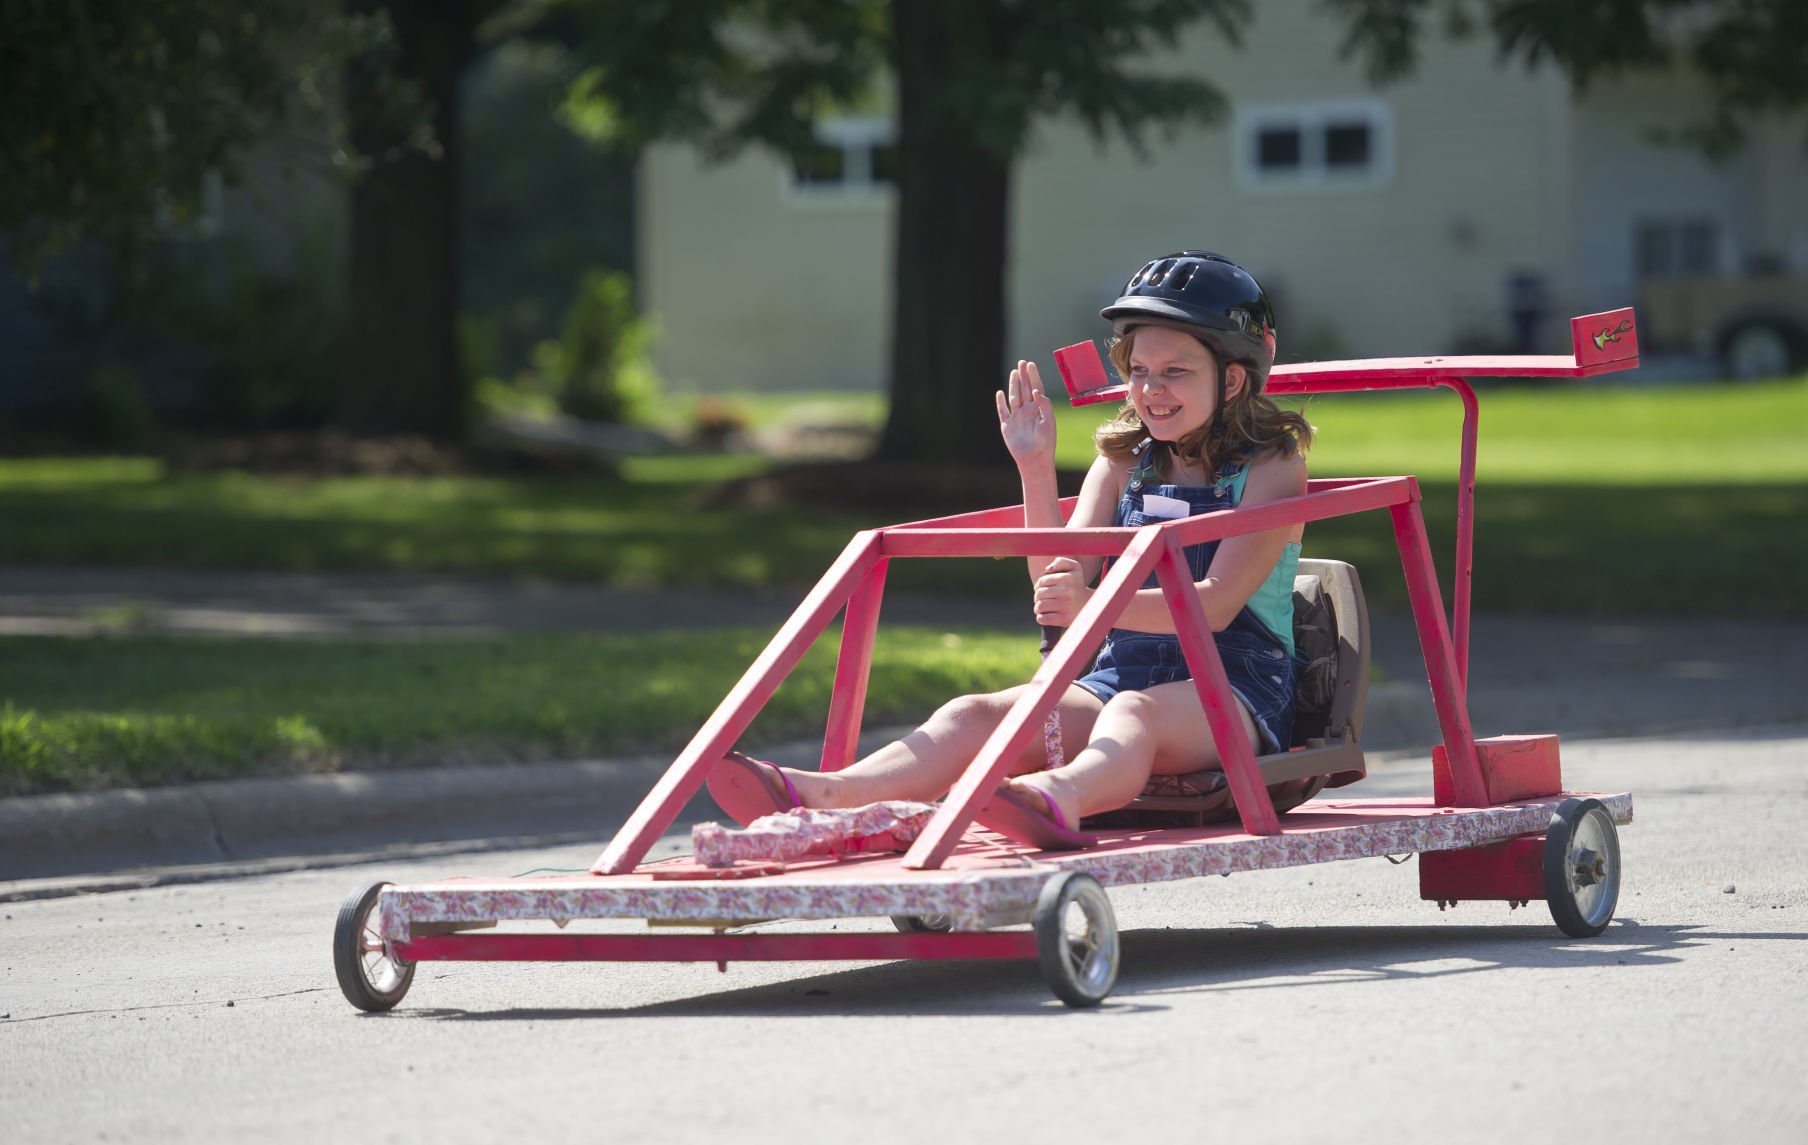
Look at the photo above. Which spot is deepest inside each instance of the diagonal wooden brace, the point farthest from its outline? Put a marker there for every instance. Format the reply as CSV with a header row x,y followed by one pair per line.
x,y
1253,804
1447,692
853,670
1026,717
719,733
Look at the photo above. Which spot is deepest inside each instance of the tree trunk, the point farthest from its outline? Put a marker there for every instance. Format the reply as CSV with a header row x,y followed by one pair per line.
x,y
948,312
402,363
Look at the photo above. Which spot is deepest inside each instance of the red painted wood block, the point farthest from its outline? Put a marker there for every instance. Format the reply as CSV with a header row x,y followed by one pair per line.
x,y
1510,870
1083,373
1514,768
1611,336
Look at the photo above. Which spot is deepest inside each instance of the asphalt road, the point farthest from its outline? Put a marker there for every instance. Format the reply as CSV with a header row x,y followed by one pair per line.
x,y
1318,1003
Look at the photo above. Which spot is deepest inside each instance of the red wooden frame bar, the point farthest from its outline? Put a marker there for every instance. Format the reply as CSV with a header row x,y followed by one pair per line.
x,y
1026,717
853,665
1322,499
715,947
1600,343
718,734
1440,659
1201,651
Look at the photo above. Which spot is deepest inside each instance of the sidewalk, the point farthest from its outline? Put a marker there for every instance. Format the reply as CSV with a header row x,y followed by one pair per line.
x,y
1581,679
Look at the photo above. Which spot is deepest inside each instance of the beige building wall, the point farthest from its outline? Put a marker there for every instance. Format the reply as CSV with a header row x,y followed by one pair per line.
x,y
1625,177
756,285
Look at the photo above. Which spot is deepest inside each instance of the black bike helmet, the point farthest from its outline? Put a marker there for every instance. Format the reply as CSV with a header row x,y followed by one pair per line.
x,y
1207,296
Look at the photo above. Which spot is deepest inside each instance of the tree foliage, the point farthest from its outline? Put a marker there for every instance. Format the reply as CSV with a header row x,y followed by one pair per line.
x,y
725,74
118,111
1752,55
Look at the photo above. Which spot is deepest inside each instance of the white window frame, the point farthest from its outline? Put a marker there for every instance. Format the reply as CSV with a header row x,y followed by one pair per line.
x,y
858,137
1310,119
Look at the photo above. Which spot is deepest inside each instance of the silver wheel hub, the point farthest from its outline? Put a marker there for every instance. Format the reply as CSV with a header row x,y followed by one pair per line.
x,y
1091,939
1592,882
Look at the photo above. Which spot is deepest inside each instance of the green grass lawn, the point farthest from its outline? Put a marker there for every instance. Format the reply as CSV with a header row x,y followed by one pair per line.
x,y
1566,434
1680,500
1668,499
82,714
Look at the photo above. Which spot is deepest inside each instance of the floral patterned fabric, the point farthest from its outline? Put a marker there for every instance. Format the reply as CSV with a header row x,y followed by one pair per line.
x,y
892,825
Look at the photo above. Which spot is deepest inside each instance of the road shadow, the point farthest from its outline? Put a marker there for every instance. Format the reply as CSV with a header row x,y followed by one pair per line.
x,y
1161,963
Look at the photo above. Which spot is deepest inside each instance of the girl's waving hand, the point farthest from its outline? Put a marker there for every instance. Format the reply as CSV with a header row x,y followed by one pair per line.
x,y
1026,419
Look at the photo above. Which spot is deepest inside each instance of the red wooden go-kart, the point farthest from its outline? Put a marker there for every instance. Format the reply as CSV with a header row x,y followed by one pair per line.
x,y
1499,824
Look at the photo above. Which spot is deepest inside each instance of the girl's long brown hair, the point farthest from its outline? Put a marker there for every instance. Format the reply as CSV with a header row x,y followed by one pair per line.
x,y
1249,426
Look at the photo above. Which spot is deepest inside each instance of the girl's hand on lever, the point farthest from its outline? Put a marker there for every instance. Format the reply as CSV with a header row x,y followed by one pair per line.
x,y
1061,592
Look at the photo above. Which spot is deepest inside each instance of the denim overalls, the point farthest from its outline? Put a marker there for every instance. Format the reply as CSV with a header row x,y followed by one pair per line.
x,y
1257,663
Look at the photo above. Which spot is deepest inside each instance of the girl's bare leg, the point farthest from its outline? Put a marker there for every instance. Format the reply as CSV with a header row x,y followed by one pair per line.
x,y
1160,731
927,762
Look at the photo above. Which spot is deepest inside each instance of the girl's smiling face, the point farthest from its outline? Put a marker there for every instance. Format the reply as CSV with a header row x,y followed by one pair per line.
x,y
1173,382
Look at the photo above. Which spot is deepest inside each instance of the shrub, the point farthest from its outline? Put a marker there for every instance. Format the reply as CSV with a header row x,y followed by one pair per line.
x,y
600,366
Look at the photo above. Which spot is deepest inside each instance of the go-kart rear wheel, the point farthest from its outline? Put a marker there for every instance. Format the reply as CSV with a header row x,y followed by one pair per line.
x,y
922,923
1076,938
1582,867
370,977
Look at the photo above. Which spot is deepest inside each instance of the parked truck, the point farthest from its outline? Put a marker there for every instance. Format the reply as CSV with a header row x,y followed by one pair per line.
x,y
1756,325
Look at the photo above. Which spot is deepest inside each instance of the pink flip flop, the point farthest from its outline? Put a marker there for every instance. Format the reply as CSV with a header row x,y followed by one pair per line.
x,y
741,786
1011,814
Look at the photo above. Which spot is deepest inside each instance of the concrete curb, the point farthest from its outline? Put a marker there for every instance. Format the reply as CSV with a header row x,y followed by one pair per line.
x,y
244,824
237,820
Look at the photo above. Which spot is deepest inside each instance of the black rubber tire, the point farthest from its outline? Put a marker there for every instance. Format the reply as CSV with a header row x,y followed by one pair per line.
x,y
922,923
1085,980
348,954
1783,337
1581,912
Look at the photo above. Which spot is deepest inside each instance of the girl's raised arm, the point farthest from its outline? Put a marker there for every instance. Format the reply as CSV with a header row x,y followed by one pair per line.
x,y
1026,420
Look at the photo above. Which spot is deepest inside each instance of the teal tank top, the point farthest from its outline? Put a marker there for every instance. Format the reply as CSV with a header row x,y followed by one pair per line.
x,y
1272,603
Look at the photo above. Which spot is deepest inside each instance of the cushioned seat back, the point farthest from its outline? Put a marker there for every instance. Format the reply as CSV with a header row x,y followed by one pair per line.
x,y
1331,633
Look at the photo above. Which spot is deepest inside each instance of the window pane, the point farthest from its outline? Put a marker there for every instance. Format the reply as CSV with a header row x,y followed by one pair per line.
x,y
1346,145
1653,246
817,166
1695,248
1278,148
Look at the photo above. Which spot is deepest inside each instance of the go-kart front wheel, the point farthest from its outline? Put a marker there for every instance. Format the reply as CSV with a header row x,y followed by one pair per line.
x,y
370,977
1582,867
1076,938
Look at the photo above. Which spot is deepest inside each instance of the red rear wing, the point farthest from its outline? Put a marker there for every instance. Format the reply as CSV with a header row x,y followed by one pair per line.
x,y
1603,343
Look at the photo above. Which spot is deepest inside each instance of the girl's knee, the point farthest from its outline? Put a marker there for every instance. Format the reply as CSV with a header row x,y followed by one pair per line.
x,y
975,708
1139,707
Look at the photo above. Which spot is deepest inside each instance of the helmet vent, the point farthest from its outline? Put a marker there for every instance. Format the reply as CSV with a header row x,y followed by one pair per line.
x,y
1161,272
1183,275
